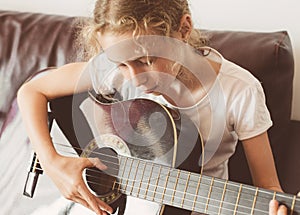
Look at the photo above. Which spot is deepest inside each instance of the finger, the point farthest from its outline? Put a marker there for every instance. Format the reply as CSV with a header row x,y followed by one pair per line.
x,y
92,201
85,204
298,194
98,163
282,210
273,207
95,162
104,206
82,202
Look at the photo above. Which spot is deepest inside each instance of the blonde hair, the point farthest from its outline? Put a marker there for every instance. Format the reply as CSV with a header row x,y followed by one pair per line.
x,y
160,17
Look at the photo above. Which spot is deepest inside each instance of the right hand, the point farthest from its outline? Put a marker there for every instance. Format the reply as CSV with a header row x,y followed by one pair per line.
x,y
66,173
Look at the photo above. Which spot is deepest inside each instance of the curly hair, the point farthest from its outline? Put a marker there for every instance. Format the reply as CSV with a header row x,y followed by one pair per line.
x,y
161,17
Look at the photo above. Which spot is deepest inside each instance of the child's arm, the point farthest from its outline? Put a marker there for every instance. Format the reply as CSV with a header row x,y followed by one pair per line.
x,y
261,162
262,167
65,172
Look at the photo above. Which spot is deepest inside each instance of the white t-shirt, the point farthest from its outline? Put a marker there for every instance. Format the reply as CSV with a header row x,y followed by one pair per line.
x,y
244,109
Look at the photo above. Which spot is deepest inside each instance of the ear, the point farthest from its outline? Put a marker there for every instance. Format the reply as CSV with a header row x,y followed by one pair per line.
x,y
186,26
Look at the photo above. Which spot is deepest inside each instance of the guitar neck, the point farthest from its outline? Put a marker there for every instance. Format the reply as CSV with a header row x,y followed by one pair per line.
x,y
195,192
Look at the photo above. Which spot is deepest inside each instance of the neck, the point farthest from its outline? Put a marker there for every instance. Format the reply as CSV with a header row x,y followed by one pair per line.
x,y
188,89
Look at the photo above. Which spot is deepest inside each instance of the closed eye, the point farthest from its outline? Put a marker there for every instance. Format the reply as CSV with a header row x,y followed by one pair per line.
x,y
148,61
143,61
121,65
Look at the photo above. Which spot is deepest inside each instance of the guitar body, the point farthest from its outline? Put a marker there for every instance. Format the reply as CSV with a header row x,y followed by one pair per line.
x,y
146,131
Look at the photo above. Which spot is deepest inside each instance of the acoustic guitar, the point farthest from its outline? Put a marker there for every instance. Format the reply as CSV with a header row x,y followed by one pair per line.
x,y
152,153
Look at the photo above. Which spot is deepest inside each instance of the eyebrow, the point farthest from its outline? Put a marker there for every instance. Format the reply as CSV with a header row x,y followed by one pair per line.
x,y
139,58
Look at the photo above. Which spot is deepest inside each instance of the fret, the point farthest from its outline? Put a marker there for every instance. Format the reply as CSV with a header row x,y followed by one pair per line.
x,y
274,195
178,184
293,205
170,181
142,178
237,199
175,185
156,183
165,185
122,168
254,201
204,190
263,196
222,198
296,207
230,197
216,193
148,181
196,192
209,193
185,189
245,199
262,200
135,176
159,184
128,176
288,200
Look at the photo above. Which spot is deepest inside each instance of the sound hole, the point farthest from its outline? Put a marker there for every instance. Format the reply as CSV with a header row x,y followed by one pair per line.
x,y
104,183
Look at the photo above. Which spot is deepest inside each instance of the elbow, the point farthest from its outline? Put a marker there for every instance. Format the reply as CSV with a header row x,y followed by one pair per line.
x,y
28,94
22,91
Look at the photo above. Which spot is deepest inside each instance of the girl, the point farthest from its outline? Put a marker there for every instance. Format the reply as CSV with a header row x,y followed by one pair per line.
x,y
152,44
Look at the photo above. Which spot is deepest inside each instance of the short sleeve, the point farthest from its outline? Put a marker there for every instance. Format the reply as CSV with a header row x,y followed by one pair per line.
x,y
250,113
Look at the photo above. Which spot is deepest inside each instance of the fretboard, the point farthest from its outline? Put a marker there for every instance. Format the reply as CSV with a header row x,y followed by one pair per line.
x,y
195,192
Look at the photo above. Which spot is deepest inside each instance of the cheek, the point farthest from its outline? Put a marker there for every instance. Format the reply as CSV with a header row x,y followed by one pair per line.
x,y
124,72
170,68
128,72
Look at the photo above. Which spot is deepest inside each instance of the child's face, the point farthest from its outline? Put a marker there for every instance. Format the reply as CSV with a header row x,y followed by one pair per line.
x,y
153,74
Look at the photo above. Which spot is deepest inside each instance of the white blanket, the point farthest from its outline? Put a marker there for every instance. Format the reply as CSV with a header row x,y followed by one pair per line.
x,y
15,154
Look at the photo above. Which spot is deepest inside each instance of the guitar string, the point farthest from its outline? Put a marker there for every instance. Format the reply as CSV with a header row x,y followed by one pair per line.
x,y
202,184
220,188
176,197
216,179
155,193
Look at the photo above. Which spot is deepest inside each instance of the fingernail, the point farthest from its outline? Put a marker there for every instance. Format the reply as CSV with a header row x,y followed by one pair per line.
x,y
98,164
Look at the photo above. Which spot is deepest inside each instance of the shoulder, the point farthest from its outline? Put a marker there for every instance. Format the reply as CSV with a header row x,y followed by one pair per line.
x,y
238,82
76,66
237,74
231,73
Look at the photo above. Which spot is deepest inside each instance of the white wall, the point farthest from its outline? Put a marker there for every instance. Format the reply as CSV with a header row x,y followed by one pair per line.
x,y
248,15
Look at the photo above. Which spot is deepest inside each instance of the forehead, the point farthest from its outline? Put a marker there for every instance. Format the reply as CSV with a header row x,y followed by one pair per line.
x,y
126,47
121,47
108,39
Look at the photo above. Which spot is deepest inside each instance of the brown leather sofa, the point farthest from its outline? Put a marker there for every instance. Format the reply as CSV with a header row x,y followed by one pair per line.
x,y
30,42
